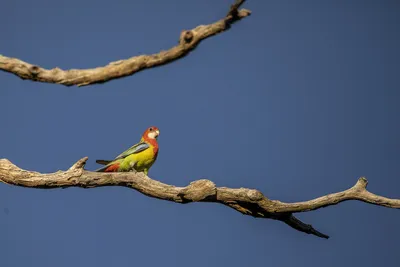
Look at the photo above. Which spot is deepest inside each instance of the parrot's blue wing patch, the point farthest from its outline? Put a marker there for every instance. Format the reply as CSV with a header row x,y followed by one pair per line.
x,y
133,150
139,148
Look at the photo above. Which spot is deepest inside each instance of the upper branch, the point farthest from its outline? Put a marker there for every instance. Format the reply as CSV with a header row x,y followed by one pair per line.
x,y
246,201
188,40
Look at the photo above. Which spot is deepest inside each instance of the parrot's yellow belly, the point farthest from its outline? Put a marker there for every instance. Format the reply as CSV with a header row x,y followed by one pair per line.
x,y
141,161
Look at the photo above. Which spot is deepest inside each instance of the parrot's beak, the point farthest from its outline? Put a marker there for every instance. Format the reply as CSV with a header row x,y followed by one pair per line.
x,y
158,133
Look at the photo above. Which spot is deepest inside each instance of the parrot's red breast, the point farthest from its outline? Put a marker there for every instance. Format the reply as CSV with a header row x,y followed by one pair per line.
x,y
151,141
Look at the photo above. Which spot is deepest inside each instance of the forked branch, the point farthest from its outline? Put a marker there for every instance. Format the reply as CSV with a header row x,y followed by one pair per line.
x,y
247,201
188,41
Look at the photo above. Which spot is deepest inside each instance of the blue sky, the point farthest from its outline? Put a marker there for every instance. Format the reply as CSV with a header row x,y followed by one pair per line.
x,y
298,101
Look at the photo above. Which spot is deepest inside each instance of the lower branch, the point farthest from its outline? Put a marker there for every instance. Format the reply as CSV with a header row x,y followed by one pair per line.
x,y
246,201
187,42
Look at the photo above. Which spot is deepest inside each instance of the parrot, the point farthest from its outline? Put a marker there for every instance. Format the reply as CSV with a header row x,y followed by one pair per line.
x,y
139,157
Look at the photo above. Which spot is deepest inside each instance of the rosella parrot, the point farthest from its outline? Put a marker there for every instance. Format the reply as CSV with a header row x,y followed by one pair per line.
x,y
139,157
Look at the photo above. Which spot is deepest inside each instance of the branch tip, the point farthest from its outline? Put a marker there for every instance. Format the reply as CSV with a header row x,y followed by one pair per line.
x,y
362,183
244,12
79,164
303,227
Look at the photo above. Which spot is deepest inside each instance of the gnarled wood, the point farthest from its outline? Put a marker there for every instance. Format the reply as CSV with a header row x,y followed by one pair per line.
x,y
188,40
246,201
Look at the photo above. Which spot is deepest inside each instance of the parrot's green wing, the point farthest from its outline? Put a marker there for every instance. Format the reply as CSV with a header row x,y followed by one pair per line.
x,y
139,147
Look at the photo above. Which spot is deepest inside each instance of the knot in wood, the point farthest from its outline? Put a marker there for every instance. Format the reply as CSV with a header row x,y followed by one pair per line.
x,y
56,70
34,70
254,195
187,36
198,190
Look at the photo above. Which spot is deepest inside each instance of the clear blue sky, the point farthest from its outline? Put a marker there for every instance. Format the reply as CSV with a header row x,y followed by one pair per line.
x,y
298,100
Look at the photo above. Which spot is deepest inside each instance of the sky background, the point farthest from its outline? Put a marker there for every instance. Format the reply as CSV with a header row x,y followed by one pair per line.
x,y
298,100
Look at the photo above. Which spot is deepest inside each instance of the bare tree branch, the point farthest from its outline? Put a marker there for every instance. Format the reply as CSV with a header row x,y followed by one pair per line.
x,y
188,41
246,201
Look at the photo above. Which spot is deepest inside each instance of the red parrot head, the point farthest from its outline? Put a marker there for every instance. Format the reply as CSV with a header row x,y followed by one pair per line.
x,y
151,133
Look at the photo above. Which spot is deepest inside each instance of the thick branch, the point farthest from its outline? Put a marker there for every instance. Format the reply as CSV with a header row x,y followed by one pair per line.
x,y
246,201
188,40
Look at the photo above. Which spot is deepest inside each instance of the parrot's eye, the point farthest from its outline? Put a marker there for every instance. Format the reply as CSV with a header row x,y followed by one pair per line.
x,y
151,129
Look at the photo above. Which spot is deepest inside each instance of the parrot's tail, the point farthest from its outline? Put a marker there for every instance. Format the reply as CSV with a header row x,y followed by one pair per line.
x,y
102,169
103,162
109,165
112,167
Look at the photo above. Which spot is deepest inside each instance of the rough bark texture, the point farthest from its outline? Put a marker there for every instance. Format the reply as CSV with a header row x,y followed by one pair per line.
x,y
246,201
188,40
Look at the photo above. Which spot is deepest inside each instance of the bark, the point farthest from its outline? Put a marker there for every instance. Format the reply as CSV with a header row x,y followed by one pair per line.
x,y
246,201
188,41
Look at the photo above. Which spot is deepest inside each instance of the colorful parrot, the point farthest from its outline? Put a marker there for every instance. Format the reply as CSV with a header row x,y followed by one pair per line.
x,y
139,157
